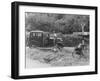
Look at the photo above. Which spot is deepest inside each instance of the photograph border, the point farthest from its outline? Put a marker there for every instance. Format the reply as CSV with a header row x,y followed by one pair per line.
x,y
15,39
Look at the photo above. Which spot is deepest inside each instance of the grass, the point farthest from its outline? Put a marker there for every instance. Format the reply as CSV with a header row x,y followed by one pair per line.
x,y
61,58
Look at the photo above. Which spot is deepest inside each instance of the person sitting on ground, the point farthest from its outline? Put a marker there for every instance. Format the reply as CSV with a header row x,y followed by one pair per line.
x,y
60,44
79,49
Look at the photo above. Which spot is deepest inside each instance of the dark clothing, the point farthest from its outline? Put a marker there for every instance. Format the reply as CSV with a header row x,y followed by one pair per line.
x,y
78,50
60,44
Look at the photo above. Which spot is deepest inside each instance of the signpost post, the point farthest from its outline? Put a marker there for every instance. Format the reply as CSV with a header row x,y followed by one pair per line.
x,y
82,25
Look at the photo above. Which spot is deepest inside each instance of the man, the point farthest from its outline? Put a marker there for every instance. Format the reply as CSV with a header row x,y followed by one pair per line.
x,y
55,37
60,44
57,42
79,49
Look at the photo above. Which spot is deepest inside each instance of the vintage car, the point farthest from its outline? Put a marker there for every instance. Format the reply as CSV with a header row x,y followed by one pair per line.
x,y
41,39
38,38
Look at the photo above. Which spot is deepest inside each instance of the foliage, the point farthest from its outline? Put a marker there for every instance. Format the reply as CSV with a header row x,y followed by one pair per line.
x,y
49,22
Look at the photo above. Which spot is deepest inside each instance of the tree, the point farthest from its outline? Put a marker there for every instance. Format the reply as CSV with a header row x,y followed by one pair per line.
x,y
56,22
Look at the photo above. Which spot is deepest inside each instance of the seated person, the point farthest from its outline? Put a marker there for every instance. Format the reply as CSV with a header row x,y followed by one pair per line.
x,y
60,44
79,49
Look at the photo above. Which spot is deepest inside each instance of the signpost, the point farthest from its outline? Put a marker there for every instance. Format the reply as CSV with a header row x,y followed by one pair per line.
x,y
82,25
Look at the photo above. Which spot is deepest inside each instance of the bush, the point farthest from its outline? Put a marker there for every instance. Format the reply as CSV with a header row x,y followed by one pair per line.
x,y
72,41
